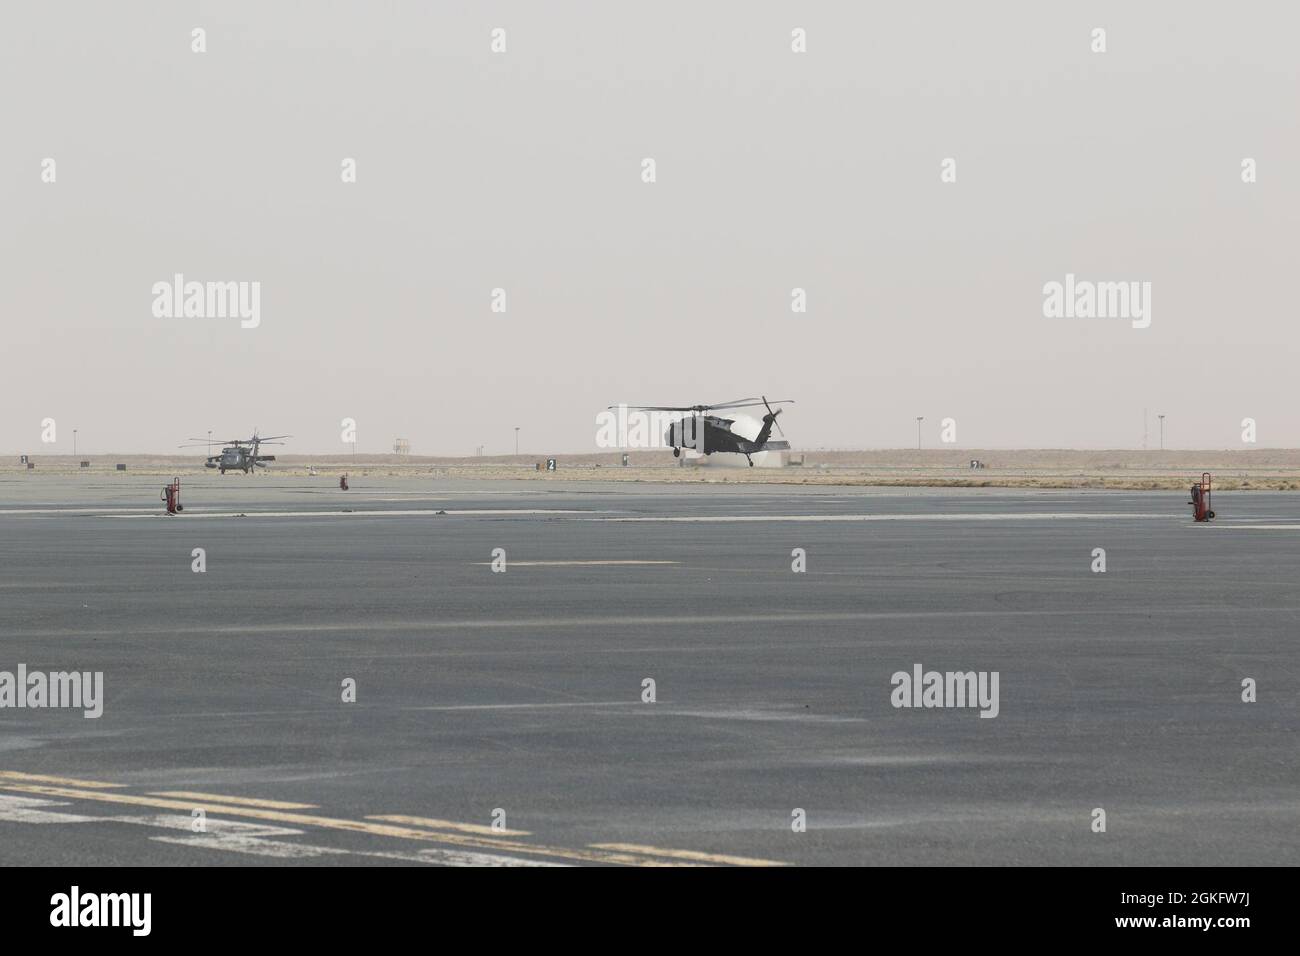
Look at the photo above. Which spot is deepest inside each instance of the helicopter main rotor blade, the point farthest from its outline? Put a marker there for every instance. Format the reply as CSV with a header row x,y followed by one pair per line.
x,y
752,403
656,408
734,403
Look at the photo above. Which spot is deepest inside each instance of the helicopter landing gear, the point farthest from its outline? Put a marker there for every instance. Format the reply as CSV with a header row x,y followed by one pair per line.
x,y
677,452
750,460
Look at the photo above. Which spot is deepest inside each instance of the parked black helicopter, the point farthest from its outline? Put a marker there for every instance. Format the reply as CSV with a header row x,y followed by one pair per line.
x,y
239,454
707,433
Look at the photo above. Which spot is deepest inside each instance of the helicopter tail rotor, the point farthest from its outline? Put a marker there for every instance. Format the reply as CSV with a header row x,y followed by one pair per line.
x,y
771,416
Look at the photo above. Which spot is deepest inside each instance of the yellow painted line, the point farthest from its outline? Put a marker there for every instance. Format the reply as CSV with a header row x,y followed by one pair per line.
x,y
70,781
695,855
239,801
568,564
448,825
335,823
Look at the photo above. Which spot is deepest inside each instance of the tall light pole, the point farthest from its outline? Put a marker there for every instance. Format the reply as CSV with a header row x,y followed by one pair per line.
x,y
516,439
209,442
919,419
1162,431
74,443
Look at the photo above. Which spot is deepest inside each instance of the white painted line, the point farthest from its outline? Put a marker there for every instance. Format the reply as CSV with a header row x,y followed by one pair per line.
x,y
569,564
616,622
214,826
356,513
458,858
547,706
28,810
754,714
97,510
695,855
1032,516
238,836
252,846
1255,527
248,839
418,496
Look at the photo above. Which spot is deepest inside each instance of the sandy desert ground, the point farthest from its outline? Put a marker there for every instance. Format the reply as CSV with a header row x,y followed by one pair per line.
x,y
1122,469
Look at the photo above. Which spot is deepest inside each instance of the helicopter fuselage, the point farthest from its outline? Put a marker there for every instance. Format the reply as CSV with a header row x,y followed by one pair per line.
x,y
707,434
237,459
239,454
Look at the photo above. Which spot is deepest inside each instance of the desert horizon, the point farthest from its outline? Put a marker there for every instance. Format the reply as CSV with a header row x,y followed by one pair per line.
x,y
1276,469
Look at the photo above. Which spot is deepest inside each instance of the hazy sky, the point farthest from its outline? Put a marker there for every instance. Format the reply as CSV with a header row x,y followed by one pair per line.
x,y
523,170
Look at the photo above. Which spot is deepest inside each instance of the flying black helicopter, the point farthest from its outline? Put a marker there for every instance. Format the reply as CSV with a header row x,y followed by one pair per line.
x,y
239,454
708,433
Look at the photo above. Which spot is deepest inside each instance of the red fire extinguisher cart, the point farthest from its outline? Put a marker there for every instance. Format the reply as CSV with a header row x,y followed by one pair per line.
x,y
172,495
1202,509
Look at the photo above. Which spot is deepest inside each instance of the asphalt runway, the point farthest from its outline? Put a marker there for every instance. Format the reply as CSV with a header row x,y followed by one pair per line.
x,y
516,698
